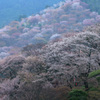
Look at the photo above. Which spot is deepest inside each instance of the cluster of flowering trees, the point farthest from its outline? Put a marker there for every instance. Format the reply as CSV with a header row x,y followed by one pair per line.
x,y
56,64
49,24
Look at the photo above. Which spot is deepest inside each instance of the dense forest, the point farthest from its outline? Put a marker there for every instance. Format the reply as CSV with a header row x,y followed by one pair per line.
x,y
53,54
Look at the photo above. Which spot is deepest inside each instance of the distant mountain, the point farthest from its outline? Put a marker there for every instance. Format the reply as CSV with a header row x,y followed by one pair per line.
x,y
16,9
94,5
13,9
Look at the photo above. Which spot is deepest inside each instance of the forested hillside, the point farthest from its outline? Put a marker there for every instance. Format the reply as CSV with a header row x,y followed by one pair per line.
x,y
94,5
50,24
52,55
62,70
24,8
14,9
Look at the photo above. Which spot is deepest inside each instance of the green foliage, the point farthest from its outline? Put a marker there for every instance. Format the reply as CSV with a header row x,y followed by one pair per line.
x,y
94,73
98,79
93,89
77,95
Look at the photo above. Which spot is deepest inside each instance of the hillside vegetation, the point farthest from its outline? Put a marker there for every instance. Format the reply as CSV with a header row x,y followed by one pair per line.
x,y
51,24
54,55
93,5
56,69
24,8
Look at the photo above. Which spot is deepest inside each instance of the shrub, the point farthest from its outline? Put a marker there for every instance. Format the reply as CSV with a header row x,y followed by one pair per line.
x,y
98,79
94,73
28,91
93,89
94,95
77,95
58,93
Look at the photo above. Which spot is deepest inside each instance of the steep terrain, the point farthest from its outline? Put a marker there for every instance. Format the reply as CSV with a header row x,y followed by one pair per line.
x,y
24,8
57,64
93,5
54,55
50,24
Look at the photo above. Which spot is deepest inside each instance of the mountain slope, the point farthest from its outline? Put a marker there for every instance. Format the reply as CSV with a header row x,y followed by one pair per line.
x,y
49,56
21,7
93,5
50,24
57,64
